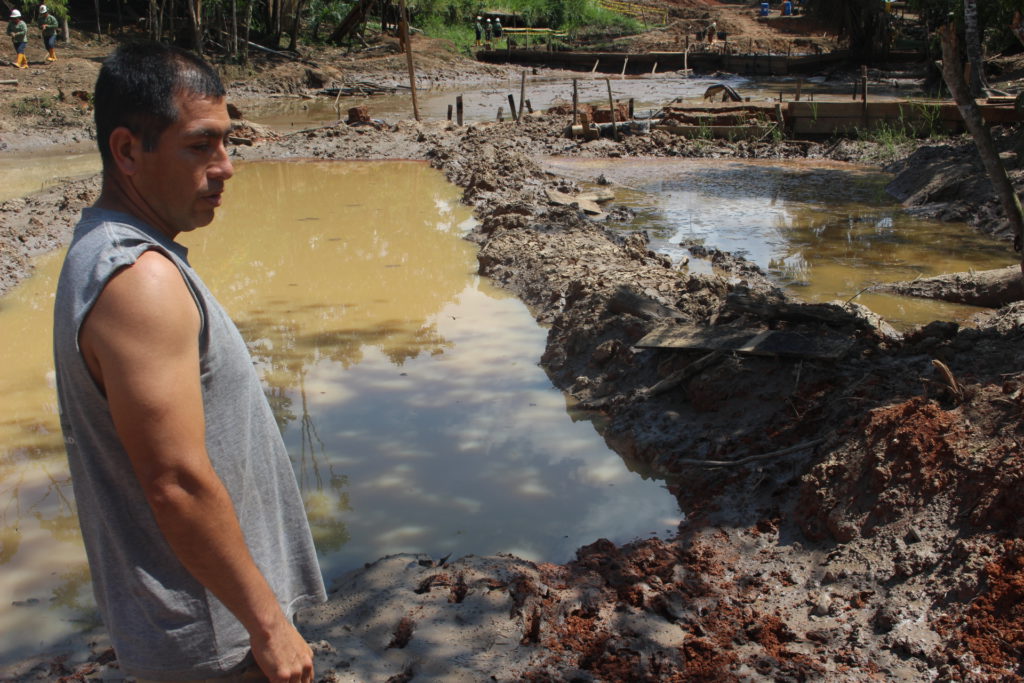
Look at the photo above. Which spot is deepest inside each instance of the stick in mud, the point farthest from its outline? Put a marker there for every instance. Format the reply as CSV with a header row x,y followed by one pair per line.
x,y
611,106
458,110
575,103
522,95
512,111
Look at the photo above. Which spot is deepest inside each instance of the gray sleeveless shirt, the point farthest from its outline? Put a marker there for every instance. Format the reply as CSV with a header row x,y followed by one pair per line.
x,y
163,623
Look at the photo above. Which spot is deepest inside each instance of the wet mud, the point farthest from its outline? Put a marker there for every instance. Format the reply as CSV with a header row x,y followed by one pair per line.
x,y
848,519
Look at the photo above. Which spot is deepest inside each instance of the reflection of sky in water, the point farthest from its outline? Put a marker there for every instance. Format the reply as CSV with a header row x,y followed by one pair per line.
x,y
471,451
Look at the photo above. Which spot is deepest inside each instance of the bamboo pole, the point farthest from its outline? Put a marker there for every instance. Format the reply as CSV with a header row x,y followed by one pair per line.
x,y
625,63
403,27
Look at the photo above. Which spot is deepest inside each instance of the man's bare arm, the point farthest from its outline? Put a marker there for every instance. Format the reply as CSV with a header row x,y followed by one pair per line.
x,y
140,341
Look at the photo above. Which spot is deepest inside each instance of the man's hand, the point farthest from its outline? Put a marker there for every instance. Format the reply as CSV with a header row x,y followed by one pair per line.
x,y
283,654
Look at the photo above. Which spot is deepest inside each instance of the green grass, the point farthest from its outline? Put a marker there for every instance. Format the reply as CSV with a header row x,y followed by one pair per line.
x,y
38,105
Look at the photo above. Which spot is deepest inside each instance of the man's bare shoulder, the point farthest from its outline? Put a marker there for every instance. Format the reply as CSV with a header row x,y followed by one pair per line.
x,y
148,300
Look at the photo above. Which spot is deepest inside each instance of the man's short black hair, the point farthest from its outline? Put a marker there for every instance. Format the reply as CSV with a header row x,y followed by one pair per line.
x,y
136,89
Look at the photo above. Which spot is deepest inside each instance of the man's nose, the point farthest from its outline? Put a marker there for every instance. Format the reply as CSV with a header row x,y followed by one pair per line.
x,y
222,168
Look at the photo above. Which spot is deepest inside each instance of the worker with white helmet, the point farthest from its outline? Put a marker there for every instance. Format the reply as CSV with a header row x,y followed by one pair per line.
x,y
478,28
18,31
48,25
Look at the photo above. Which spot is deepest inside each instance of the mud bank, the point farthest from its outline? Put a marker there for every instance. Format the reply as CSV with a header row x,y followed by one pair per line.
x,y
854,519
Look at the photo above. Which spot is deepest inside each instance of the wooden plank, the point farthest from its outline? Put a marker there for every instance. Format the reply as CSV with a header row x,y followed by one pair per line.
x,y
804,126
685,336
818,344
742,132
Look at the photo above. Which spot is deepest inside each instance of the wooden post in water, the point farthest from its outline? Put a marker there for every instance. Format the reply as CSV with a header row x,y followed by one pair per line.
x,y
596,62
522,96
449,112
403,28
529,107
501,114
631,108
799,85
611,104
512,107
575,103
655,69
458,110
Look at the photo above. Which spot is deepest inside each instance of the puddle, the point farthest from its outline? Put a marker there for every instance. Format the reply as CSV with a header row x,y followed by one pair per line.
x,y
824,231
650,93
407,389
27,172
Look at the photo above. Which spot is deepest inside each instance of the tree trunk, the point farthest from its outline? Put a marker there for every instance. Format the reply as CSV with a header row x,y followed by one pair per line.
x,y
293,40
982,137
248,23
234,29
988,288
972,38
195,14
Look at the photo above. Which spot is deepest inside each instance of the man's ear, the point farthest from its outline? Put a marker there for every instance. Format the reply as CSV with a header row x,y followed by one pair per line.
x,y
126,149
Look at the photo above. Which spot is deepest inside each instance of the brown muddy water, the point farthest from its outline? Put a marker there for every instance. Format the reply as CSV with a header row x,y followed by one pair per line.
x,y
25,173
824,231
650,93
406,387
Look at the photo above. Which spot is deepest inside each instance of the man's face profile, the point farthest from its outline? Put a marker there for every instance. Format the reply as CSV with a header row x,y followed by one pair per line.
x,y
182,179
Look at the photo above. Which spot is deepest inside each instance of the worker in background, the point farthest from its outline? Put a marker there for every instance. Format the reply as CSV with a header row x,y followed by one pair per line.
x,y
48,25
18,31
488,30
497,28
479,28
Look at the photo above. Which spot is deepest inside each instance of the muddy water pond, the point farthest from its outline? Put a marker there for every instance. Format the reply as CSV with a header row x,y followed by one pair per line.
x,y
406,387
824,231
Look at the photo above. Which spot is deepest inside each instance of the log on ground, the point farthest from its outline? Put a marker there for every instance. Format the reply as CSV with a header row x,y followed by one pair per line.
x,y
988,288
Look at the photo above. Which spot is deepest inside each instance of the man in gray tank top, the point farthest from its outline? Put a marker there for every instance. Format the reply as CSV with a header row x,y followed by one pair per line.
x,y
192,519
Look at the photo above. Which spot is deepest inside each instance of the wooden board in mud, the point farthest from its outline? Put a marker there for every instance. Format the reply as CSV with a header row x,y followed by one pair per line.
x,y
747,132
748,341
